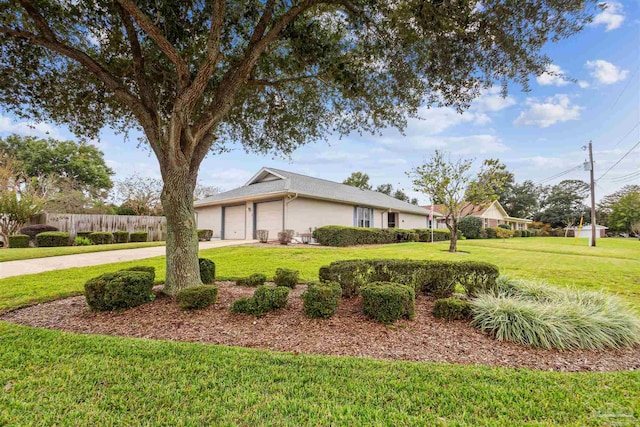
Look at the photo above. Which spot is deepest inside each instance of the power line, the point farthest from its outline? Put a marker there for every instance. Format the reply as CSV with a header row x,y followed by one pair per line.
x,y
629,175
628,178
626,135
559,174
619,160
624,88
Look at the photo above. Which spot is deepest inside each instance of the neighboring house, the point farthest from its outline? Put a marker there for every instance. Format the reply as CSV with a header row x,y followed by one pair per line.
x,y
276,200
601,231
492,215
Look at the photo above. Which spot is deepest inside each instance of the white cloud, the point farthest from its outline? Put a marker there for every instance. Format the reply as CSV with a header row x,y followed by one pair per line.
x,y
605,72
611,17
468,144
226,179
553,110
28,128
392,162
553,76
583,84
492,101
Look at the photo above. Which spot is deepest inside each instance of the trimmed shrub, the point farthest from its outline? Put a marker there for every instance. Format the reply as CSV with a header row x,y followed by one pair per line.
x,y
386,302
120,237
207,270
452,309
437,278
84,234
491,232
503,233
262,235
265,299
505,226
119,290
526,233
439,234
146,269
286,277
205,235
285,237
477,277
81,241
33,230
542,316
19,241
336,235
517,233
197,297
101,238
470,227
321,300
253,281
139,236
50,239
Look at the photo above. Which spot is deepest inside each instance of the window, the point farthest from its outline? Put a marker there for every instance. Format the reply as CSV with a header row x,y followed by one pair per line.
x,y
486,222
363,217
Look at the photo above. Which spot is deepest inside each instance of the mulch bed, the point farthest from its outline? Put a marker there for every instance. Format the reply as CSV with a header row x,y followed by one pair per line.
x,y
348,333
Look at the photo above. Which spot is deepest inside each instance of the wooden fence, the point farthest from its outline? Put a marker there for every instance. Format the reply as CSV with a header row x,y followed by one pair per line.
x,y
156,226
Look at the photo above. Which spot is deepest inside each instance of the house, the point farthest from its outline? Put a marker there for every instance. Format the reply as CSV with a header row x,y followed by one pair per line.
x,y
601,231
492,215
277,200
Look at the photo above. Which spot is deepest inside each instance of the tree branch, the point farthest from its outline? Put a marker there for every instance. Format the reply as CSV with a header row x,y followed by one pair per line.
x,y
156,35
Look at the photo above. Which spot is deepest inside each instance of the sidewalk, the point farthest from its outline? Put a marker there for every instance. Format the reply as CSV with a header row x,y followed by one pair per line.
x,y
39,265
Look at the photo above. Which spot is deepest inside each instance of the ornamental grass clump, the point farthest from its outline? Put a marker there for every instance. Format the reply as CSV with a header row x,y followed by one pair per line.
x,y
541,316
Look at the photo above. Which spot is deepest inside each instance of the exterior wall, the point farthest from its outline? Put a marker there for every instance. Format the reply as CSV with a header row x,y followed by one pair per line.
x,y
380,218
210,217
302,214
407,220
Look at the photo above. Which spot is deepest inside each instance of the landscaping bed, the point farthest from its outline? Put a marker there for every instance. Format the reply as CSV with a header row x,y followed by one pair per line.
x,y
348,333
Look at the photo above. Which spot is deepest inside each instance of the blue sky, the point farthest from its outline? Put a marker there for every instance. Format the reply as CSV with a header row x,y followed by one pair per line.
x,y
537,134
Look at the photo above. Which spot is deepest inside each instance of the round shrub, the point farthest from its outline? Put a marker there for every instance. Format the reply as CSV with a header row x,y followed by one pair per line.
x,y
386,302
101,238
138,236
120,237
505,226
517,233
491,232
471,227
252,281
265,299
33,230
149,270
245,305
50,239
205,235
452,309
119,290
19,241
321,299
286,277
197,297
207,270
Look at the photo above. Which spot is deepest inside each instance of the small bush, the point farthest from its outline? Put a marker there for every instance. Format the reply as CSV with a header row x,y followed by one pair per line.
x,y
205,235
253,281
262,235
139,236
452,309
471,227
84,234
491,232
321,300
197,297
33,230
19,241
505,226
101,238
146,269
265,299
439,234
286,277
81,241
517,233
207,270
50,239
386,302
120,237
285,237
119,290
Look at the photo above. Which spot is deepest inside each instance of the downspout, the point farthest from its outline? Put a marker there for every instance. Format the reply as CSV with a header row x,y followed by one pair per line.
x,y
286,208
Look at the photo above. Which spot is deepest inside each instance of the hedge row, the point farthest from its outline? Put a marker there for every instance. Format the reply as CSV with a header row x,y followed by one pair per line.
x,y
337,235
437,278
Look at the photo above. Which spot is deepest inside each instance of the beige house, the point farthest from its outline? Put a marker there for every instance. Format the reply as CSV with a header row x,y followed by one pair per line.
x,y
277,200
492,215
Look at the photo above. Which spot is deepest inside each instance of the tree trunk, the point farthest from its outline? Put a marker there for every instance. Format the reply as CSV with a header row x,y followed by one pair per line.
x,y
183,269
453,239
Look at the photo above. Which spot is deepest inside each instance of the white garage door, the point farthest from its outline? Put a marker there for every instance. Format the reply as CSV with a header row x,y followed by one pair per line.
x,y
269,216
234,222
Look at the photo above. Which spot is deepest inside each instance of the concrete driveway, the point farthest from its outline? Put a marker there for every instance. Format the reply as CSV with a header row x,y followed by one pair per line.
x,y
39,265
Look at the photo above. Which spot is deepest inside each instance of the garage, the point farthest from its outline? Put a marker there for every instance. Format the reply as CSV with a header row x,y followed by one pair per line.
x,y
234,221
270,216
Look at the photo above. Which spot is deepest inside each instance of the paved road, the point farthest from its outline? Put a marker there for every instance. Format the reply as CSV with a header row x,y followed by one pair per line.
x,y
39,265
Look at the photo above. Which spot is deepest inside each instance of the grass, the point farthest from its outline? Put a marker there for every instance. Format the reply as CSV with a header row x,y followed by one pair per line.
x,y
59,378
15,254
55,378
613,266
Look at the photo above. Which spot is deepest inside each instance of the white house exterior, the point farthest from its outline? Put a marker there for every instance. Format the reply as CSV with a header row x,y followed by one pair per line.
x,y
601,231
277,200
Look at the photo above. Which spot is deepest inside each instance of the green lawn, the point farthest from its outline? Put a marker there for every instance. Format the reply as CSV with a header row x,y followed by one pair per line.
x,y
59,378
13,254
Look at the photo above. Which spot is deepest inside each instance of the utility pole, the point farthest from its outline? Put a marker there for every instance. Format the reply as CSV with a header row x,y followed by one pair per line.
x,y
593,197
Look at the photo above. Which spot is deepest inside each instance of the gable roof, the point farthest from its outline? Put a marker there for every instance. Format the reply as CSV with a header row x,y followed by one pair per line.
x,y
479,210
274,182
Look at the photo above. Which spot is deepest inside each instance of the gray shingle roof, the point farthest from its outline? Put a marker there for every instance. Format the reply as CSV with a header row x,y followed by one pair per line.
x,y
313,187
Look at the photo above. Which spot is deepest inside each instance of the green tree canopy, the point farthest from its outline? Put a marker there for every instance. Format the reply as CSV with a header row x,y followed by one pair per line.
x,y
563,204
521,200
358,179
625,213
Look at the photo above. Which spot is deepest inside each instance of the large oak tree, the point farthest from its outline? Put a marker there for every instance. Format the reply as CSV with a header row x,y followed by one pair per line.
x,y
196,75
